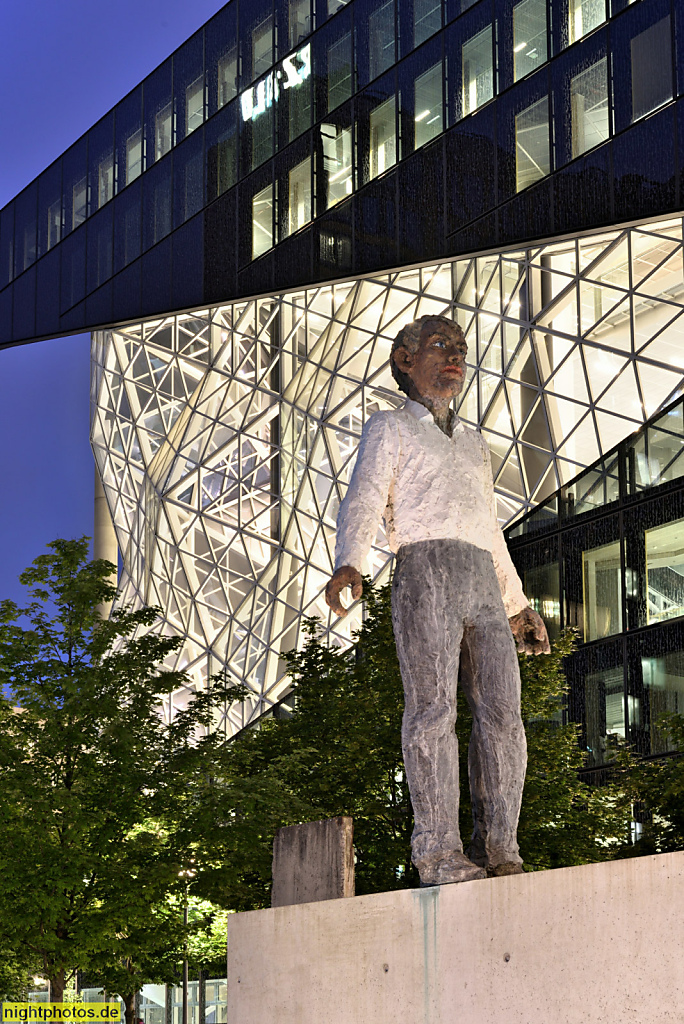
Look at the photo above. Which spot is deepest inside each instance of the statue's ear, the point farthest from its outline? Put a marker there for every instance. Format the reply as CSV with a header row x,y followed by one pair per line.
x,y
403,358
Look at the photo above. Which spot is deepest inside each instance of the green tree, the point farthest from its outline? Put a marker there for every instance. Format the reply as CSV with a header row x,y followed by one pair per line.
x,y
93,781
17,969
656,787
147,949
152,950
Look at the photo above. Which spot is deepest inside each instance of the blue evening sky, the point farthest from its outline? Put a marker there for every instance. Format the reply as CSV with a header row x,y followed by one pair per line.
x,y
64,64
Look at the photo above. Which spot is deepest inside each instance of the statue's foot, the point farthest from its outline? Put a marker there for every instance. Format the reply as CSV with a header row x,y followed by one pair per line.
x,y
449,868
507,868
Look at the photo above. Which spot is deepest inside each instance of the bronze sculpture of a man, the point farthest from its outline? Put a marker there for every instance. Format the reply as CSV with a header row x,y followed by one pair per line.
x,y
457,604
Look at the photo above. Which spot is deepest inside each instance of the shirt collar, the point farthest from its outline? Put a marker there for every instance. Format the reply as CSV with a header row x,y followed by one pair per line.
x,y
418,411
421,412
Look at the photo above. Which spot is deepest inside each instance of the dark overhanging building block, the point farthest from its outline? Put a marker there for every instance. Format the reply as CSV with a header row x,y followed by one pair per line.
x,y
313,862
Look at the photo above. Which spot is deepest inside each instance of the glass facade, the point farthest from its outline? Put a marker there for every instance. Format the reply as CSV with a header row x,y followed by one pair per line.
x,y
477,61
262,220
224,438
529,36
358,88
428,106
610,546
214,1010
589,104
584,16
383,138
532,151
163,1004
299,196
336,144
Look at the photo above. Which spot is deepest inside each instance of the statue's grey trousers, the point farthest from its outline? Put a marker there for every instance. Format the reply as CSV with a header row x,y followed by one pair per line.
x,y
447,611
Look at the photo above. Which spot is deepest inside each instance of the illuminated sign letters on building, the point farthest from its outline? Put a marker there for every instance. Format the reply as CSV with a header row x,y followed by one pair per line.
x,y
293,71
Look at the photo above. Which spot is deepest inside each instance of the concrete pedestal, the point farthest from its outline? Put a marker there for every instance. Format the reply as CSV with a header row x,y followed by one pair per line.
x,y
601,943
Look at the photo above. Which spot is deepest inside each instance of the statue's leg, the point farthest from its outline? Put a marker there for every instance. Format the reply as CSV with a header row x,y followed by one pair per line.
x,y
497,756
428,632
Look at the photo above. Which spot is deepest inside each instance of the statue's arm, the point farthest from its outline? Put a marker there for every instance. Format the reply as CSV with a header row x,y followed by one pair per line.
x,y
362,508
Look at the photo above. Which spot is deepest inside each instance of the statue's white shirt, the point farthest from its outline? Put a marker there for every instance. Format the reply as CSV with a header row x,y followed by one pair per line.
x,y
426,486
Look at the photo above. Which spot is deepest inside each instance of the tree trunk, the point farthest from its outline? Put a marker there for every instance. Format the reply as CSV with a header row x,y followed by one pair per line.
x,y
129,1005
57,986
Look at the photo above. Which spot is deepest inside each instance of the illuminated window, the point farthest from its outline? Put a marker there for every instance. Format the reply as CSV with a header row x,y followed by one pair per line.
x,y
529,36
163,124
299,193
337,163
605,713
532,160
54,225
589,107
664,683
194,105
381,39
602,591
262,221
262,48
478,71
134,152
227,78
78,206
428,105
105,181
383,138
585,16
665,571
542,586
300,20
427,19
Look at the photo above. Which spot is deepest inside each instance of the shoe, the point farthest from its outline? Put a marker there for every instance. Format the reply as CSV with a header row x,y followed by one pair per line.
x,y
451,867
507,868
476,852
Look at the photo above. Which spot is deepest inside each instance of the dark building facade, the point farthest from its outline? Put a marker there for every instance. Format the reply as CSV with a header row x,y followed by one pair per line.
x,y
606,556
288,143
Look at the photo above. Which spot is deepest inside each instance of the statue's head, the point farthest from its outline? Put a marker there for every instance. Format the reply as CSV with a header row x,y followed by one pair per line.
x,y
428,359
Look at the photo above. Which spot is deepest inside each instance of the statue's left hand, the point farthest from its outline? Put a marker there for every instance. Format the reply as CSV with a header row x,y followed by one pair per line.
x,y
529,632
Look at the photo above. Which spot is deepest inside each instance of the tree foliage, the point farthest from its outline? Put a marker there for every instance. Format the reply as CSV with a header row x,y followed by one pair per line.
x,y
17,970
93,781
656,787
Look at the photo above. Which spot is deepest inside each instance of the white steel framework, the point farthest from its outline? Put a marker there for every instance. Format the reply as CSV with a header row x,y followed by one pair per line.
x,y
225,437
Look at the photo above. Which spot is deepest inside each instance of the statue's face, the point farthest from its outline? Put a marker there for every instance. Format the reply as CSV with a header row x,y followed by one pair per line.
x,y
437,367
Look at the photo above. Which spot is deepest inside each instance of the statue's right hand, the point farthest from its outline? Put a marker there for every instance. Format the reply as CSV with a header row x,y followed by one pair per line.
x,y
345,576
